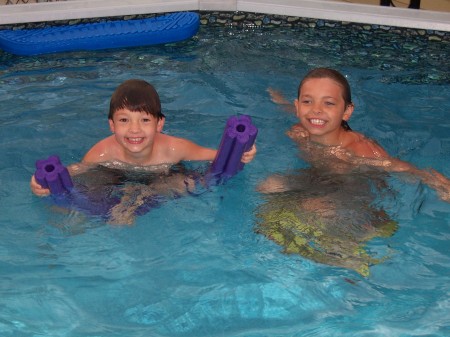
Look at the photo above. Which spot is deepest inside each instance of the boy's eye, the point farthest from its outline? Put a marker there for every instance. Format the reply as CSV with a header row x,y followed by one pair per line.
x,y
329,103
306,101
146,120
123,120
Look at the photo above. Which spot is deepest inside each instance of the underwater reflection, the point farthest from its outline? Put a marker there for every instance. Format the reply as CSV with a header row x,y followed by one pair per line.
x,y
328,217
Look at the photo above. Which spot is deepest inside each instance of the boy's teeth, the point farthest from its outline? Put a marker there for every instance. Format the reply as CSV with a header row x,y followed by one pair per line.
x,y
134,140
316,121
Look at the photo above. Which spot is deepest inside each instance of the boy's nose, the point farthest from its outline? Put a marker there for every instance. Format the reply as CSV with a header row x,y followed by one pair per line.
x,y
135,127
317,108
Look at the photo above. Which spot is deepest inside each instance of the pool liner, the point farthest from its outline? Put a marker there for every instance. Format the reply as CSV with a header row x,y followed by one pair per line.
x,y
238,137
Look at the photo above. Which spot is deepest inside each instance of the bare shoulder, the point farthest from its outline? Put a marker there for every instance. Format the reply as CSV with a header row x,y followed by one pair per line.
x,y
165,140
177,149
167,144
102,151
361,146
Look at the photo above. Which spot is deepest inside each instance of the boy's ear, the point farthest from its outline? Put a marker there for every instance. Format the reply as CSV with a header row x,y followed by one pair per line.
x,y
348,112
111,125
160,125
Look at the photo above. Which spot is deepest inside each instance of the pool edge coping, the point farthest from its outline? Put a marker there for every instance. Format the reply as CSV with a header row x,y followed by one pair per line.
x,y
315,9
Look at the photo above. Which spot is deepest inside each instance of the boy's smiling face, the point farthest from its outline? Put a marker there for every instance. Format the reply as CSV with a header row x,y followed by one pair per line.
x,y
321,108
135,131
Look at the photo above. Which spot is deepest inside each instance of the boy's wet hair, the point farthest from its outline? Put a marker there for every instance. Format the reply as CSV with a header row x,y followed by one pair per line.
x,y
136,95
339,79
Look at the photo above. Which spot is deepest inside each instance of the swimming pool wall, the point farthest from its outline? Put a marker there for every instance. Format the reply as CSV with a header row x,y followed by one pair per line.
x,y
291,9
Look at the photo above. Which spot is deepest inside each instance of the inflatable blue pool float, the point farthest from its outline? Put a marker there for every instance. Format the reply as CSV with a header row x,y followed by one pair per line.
x,y
167,28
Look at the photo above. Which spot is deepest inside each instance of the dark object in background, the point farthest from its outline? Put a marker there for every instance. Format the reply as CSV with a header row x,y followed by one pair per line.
x,y
415,4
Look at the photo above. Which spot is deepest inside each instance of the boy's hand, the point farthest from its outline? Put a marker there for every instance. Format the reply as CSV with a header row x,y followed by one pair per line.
x,y
278,98
441,183
38,189
248,156
297,131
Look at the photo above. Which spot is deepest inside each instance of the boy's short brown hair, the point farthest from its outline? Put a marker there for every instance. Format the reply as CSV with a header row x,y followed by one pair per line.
x,y
136,95
333,75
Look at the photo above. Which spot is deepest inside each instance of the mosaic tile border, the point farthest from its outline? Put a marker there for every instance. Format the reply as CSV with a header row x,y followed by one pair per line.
x,y
259,20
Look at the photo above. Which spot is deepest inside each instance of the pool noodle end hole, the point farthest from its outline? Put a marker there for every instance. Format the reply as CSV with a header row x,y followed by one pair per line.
x,y
49,168
240,128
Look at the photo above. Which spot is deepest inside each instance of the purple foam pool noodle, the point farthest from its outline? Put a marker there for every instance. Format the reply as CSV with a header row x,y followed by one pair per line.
x,y
249,135
51,174
238,137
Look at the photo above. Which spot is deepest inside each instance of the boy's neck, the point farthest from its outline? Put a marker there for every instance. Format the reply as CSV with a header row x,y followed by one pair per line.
x,y
335,139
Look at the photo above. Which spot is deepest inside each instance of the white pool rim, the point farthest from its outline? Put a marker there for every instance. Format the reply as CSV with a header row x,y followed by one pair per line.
x,y
317,9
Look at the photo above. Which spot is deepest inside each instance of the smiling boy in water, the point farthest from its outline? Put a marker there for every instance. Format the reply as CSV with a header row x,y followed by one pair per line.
x,y
136,121
324,106
327,212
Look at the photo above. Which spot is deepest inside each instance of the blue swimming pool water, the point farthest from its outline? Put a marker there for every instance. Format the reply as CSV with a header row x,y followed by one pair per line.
x,y
195,266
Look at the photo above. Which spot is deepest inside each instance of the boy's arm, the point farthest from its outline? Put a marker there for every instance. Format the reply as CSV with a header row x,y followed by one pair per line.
x,y
190,151
278,98
40,191
431,177
187,150
92,156
297,131
368,152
